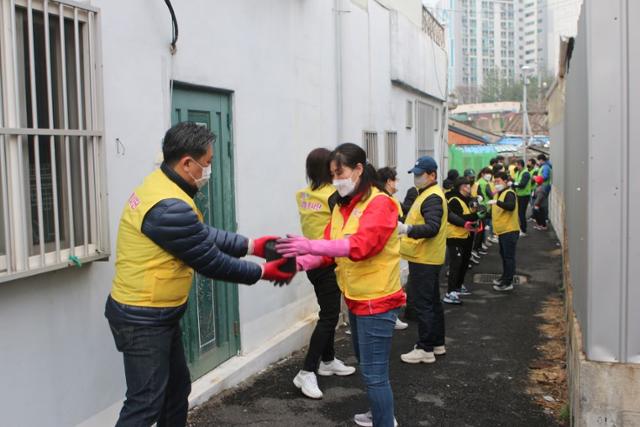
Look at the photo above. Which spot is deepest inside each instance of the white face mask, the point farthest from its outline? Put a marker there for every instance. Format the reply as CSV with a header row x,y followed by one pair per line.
x,y
204,179
344,186
487,177
499,187
420,181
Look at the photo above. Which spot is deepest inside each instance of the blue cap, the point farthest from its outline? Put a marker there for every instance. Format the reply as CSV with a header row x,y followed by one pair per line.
x,y
424,164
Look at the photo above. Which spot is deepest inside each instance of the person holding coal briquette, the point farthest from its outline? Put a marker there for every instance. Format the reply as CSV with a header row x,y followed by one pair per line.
x,y
362,239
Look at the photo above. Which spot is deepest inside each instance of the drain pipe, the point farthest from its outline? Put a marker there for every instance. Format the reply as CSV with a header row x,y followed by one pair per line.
x,y
337,9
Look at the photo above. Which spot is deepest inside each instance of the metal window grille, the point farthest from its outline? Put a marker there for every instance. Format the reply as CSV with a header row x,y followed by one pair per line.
x,y
391,148
371,147
53,208
425,130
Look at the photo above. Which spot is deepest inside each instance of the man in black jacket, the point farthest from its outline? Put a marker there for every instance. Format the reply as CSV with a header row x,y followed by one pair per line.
x,y
424,247
162,239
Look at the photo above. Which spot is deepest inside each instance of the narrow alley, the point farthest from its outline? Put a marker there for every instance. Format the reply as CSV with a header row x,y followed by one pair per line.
x,y
482,381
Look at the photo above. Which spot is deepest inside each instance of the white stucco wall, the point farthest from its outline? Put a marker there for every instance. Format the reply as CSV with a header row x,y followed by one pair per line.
x,y
59,365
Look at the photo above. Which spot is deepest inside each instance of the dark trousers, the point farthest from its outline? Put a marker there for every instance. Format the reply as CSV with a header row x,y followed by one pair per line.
x,y
425,287
158,380
523,202
508,243
540,215
328,294
459,255
478,240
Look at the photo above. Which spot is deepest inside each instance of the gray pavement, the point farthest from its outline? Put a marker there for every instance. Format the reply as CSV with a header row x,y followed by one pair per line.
x,y
482,381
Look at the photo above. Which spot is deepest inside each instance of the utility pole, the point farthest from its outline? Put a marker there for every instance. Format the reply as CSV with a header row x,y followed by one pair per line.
x,y
525,115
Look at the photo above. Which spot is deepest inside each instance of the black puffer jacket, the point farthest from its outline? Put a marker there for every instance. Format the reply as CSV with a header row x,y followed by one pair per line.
x,y
175,227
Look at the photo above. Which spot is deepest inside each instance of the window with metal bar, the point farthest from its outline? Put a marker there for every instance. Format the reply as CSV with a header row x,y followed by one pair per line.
x,y
425,129
371,147
52,189
409,115
391,148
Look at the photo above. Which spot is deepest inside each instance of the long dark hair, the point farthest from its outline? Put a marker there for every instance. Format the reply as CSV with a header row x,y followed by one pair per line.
x,y
318,168
349,155
385,174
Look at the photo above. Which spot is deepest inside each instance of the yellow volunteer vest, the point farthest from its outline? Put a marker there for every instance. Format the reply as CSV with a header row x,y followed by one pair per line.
x,y
147,275
512,171
398,205
453,231
313,207
372,278
504,221
425,251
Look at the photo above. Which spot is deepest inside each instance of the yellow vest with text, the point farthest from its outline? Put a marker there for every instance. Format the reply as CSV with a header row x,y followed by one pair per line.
x,y
313,207
453,231
504,221
374,277
147,275
430,250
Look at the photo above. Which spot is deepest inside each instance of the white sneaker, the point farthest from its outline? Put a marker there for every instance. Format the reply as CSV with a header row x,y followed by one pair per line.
x,y
493,239
366,420
475,254
486,246
523,234
308,384
497,282
418,355
400,325
452,298
335,367
439,350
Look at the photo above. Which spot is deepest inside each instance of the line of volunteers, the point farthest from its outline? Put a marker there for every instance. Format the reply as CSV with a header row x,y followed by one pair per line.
x,y
356,235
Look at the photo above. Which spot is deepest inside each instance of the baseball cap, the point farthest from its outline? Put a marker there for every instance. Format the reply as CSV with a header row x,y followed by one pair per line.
x,y
469,172
424,164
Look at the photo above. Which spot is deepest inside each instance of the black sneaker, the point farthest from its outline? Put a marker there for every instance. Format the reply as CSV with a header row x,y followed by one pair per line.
x,y
503,288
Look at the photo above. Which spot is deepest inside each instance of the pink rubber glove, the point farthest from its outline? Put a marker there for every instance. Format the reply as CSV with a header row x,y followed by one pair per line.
x,y
297,245
309,262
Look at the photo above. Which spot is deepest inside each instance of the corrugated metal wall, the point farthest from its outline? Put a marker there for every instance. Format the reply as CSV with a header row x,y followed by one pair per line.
x,y
601,194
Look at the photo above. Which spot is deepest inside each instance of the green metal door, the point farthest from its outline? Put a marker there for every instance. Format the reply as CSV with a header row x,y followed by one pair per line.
x,y
210,327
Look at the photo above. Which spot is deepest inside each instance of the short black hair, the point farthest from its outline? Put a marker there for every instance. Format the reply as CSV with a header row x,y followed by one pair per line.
x,y
542,157
452,174
318,167
493,161
502,175
186,139
386,173
497,168
532,161
500,158
520,162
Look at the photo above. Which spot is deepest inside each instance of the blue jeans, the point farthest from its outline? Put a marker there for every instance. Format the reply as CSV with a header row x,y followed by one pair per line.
x,y
508,242
372,344
158,380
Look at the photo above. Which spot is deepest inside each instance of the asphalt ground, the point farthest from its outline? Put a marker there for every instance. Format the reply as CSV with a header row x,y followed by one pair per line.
x,y
482,381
